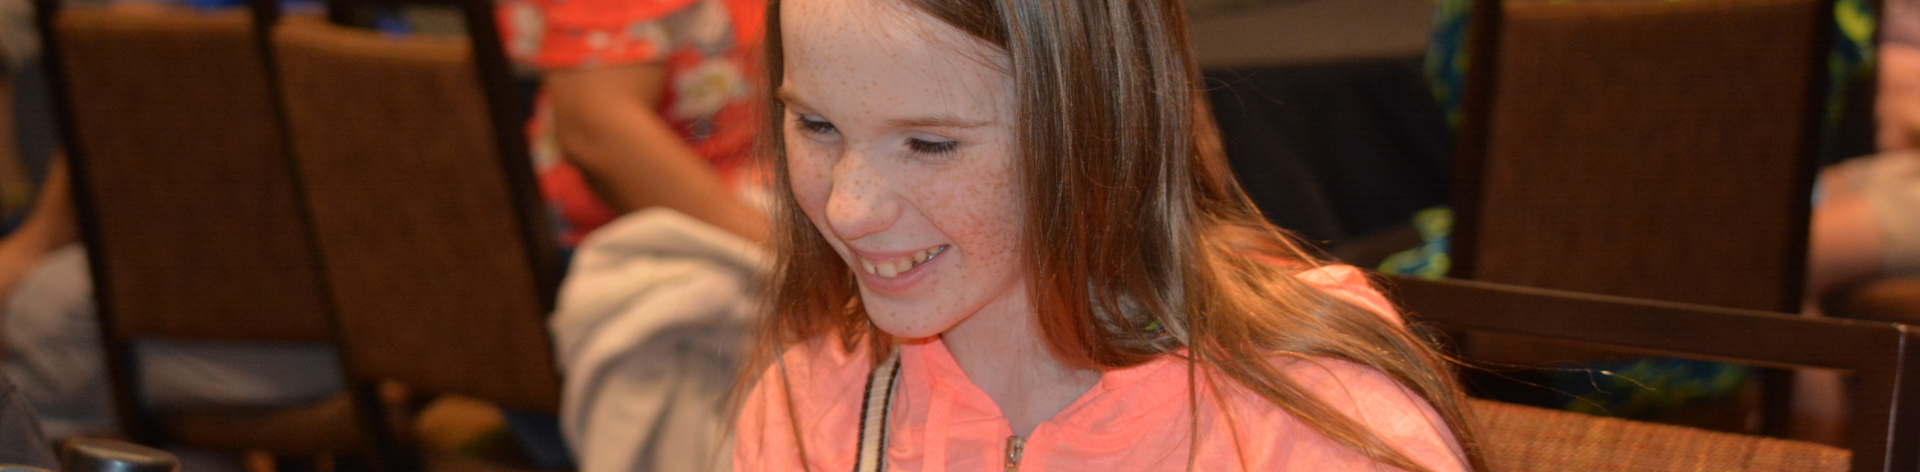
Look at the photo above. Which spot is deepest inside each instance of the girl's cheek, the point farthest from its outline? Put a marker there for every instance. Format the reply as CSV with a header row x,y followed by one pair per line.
x,y
809,177
982,202
811,189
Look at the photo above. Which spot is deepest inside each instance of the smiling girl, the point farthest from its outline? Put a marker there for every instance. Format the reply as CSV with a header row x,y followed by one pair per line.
x,y
1009,241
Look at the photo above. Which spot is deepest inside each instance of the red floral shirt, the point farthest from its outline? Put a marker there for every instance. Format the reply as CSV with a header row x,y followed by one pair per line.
x,y
710,49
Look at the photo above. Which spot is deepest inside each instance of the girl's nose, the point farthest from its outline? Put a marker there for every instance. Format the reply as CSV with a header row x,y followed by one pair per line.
x,y
861,201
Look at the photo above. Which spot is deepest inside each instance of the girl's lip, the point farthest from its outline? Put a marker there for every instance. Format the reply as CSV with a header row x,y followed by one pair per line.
x,y
879,256
896,263
902,281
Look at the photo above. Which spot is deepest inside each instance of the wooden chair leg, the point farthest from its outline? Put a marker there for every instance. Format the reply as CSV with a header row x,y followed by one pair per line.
x,y
259,461
386,413
325,463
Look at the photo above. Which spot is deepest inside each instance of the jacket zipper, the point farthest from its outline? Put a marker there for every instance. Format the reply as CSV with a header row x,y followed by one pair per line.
x,y
1015,446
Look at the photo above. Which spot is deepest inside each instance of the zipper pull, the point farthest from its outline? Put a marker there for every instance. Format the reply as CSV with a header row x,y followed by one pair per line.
x,y
1015,445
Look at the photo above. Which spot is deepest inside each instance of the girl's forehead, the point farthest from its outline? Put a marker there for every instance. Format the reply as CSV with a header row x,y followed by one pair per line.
x,y
890,28
850,17
882,55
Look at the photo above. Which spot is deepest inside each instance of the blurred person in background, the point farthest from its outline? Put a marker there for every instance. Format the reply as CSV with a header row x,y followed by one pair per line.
x,y
1866,218
646,105
1866,214
647,110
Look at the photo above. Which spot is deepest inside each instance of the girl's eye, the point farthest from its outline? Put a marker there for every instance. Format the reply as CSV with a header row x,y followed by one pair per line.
x,y
931,147
813,126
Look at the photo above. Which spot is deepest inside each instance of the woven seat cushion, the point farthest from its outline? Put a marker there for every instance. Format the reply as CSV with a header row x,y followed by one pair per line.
x,y
1522,438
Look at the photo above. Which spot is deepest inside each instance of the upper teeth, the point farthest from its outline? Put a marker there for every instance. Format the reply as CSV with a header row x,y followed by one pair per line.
x,y
893,267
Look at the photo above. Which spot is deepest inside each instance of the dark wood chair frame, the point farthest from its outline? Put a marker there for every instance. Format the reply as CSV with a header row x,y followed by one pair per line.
x,y
507,107
1472,143
121,364
1883,359
1476,108
508,112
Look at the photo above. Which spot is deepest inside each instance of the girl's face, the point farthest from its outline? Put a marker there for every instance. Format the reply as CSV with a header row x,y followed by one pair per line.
x,y
900,147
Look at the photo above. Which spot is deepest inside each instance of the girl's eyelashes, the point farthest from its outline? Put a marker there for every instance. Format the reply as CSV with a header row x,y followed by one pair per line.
x,y
813,126
928,147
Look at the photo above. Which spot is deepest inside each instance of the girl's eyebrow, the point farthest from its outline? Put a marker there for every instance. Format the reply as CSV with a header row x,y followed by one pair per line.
x,y
941,120
786,96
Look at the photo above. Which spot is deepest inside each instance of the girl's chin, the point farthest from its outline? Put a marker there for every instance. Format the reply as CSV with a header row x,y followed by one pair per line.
x,y
900,325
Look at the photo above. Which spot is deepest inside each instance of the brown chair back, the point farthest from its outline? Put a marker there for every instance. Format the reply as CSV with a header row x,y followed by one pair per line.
x,y
1659,150
1883,420
1523,439
190,210
439,262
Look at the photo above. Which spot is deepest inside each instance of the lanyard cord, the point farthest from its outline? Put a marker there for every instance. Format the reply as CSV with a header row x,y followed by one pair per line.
x,y
875,407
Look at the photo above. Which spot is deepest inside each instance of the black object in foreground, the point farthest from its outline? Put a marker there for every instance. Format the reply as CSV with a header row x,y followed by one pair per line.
x,y
104,455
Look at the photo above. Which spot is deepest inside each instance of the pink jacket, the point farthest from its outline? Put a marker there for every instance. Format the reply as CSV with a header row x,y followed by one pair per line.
x,y
1135,419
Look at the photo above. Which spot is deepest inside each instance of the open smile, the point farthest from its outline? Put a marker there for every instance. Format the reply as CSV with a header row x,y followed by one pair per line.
x,y
893,267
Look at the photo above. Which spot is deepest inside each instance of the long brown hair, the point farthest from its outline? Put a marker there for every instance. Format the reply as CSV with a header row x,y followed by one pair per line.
x,y
1138,241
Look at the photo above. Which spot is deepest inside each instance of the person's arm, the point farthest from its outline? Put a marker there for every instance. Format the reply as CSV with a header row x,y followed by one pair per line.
x,y
1897,108
1845,244
50,226
604,121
